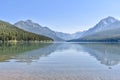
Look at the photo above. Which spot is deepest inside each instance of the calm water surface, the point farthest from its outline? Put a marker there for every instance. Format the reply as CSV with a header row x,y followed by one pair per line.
x,y
60,61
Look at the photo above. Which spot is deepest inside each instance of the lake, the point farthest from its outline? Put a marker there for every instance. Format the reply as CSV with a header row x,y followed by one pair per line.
x,y
60,61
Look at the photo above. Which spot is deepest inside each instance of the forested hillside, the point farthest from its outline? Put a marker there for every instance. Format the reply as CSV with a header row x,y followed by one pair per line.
x,y
10,32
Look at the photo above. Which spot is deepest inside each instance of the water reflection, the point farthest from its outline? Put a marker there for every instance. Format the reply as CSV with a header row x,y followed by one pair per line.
x,y
36,54
24,51
108,53
61,61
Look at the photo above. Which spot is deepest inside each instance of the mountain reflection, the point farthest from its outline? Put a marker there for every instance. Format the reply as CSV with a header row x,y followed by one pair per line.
x,y
108,53
24,51
36,54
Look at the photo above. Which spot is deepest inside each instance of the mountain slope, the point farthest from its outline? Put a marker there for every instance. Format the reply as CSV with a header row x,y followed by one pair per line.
x,y
67,36
107,29
30,26
10,32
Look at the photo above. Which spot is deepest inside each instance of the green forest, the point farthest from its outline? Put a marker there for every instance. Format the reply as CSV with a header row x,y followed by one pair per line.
x,y
9,32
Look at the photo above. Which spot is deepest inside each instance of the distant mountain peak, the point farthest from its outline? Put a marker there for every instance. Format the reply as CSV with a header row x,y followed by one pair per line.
x,y
108,20
30,21
23,22
104,23
109,17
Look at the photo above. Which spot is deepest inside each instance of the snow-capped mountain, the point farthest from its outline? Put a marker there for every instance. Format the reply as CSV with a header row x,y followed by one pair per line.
x,y
30,26
107,29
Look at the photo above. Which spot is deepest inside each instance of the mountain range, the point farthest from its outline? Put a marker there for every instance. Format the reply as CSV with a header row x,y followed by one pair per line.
x,y
31,26
106,29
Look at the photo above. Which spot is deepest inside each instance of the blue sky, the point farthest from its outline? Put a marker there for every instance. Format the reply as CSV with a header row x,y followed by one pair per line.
x,y
60,15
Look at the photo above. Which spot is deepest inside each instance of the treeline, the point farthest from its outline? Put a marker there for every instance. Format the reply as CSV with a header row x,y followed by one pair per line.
x,y
104,40
9,32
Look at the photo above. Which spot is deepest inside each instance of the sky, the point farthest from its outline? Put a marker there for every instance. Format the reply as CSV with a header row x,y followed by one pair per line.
x,y
67,16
